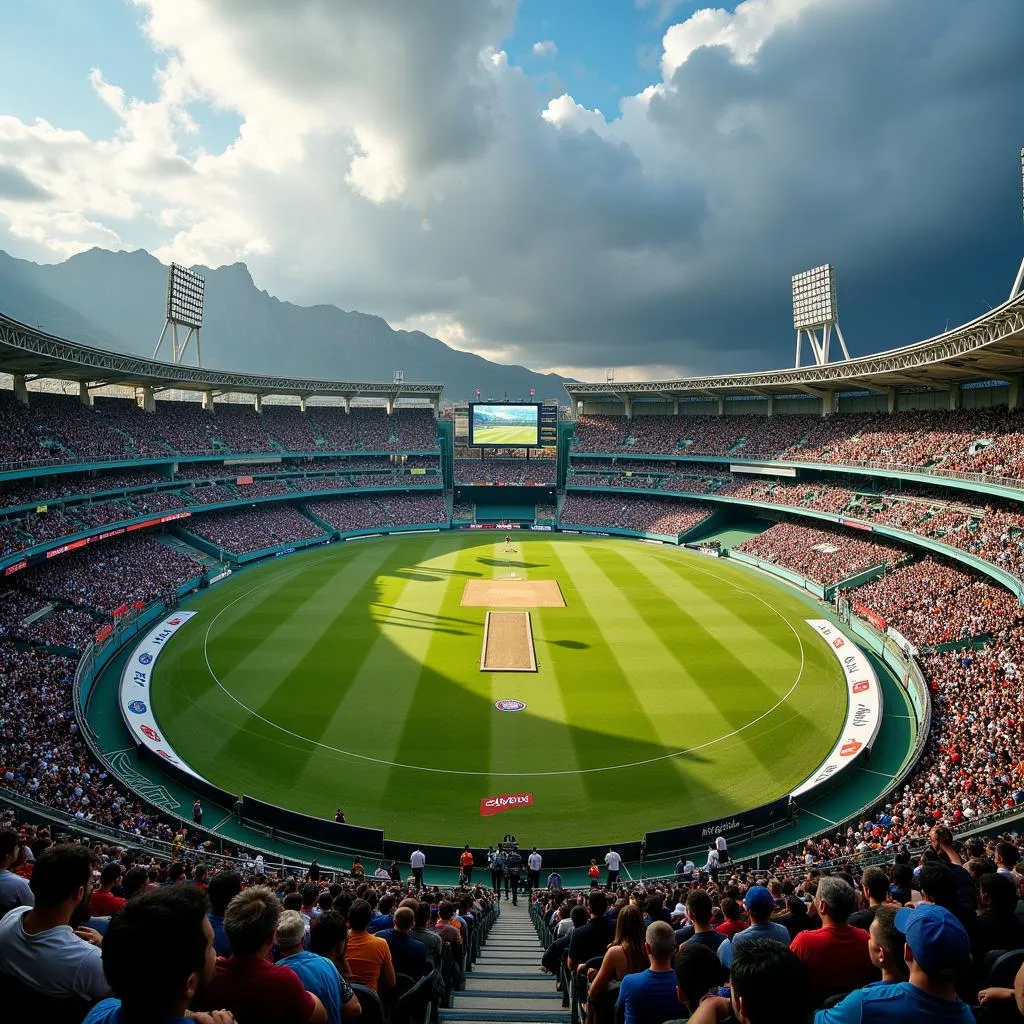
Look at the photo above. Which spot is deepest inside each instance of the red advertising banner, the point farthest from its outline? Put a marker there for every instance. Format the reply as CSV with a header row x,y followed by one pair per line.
x,y
121,609
854,525
496,804
103,633
16,567
243,480
867,614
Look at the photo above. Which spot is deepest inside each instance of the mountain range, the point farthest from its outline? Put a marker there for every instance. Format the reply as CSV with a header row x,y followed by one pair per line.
x,y
116,301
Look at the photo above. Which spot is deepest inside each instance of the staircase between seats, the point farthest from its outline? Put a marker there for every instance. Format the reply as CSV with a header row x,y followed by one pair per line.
x,y
506,983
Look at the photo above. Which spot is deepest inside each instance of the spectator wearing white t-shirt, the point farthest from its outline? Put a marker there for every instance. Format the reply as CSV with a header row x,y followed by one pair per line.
x,y
614,864
37,944
714,862
533,864
723,849
417,861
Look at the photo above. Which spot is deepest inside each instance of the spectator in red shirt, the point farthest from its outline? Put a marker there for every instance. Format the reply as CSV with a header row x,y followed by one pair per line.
x,y
247,983
836,954
103,903
733,923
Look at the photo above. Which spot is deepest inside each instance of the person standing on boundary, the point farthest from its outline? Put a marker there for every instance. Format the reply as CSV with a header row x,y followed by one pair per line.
x,y
513,868
197,811
416,861
466,864
533,862
497,871
614,864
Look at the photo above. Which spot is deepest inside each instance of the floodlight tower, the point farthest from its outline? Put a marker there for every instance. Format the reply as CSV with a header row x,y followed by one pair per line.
x,y
1018,284
814,310
185,289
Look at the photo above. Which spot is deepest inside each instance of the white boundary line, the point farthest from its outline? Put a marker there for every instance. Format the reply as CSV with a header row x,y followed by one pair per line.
x,y
494,774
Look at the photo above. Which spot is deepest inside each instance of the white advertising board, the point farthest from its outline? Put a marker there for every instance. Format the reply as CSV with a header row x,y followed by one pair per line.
x,y
863,705
136,704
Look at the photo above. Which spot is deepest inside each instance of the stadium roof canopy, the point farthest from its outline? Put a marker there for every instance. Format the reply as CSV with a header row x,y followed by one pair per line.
x,y
989,348
33,353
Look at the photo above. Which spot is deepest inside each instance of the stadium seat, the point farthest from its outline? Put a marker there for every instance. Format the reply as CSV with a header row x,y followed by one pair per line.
x,y
415,1004
373,1008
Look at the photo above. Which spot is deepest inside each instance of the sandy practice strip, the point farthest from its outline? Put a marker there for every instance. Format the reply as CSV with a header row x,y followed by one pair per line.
x,y
508,643
512,594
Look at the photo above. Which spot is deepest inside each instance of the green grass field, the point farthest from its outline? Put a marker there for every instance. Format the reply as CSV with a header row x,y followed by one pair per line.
x,y
511,435
672,688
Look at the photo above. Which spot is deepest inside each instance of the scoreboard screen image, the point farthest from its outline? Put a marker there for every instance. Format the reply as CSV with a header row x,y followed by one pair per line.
x,y
504,425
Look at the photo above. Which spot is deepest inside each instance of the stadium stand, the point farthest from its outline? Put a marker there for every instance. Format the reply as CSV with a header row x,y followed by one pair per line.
x,y
973,441
970,633
494,471
643,515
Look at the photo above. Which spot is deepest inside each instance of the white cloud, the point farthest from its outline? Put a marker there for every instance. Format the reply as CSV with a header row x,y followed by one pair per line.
x,y
391,159
564,112
545,48
742,32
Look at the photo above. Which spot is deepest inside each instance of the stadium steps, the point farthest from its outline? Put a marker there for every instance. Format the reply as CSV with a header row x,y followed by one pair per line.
x,y
175,543
506,984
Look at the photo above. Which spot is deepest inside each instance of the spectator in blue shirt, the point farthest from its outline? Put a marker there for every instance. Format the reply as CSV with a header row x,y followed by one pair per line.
x,y
408,954
936,951
649,997
383,918
317,974
760,906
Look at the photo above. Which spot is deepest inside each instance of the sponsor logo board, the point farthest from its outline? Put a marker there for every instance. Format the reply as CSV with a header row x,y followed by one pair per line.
x,y
863,705
136,703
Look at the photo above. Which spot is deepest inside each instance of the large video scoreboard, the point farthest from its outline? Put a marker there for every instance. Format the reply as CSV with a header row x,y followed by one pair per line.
x,y
505,425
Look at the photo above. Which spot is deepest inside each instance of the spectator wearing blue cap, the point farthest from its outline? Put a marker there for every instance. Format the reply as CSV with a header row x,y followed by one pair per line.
x,y
937,951
760,906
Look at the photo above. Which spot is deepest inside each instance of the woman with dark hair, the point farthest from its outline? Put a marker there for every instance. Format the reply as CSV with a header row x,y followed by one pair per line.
x,y
625,955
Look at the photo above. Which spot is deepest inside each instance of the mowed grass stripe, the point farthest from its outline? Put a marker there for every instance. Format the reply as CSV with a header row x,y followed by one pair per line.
x,y
680,711
294,697
821,691
447,723
709,653
309,605
383,687
608,723
538,738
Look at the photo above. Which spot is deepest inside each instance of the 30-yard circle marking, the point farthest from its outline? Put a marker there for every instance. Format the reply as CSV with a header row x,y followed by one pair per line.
x,y
499,774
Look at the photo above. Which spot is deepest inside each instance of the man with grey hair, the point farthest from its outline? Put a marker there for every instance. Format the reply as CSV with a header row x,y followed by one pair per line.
x,y
318,974
247,983
836,954
651,994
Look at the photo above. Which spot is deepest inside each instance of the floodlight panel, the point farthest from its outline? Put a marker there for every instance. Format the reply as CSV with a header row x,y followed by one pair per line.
x,y
185,290
814,297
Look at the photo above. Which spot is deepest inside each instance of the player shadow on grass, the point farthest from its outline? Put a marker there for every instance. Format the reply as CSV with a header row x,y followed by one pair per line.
x,y
505,563
571,645
430,575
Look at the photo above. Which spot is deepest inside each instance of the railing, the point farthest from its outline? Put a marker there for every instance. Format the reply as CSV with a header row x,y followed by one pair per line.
x,y
31,809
